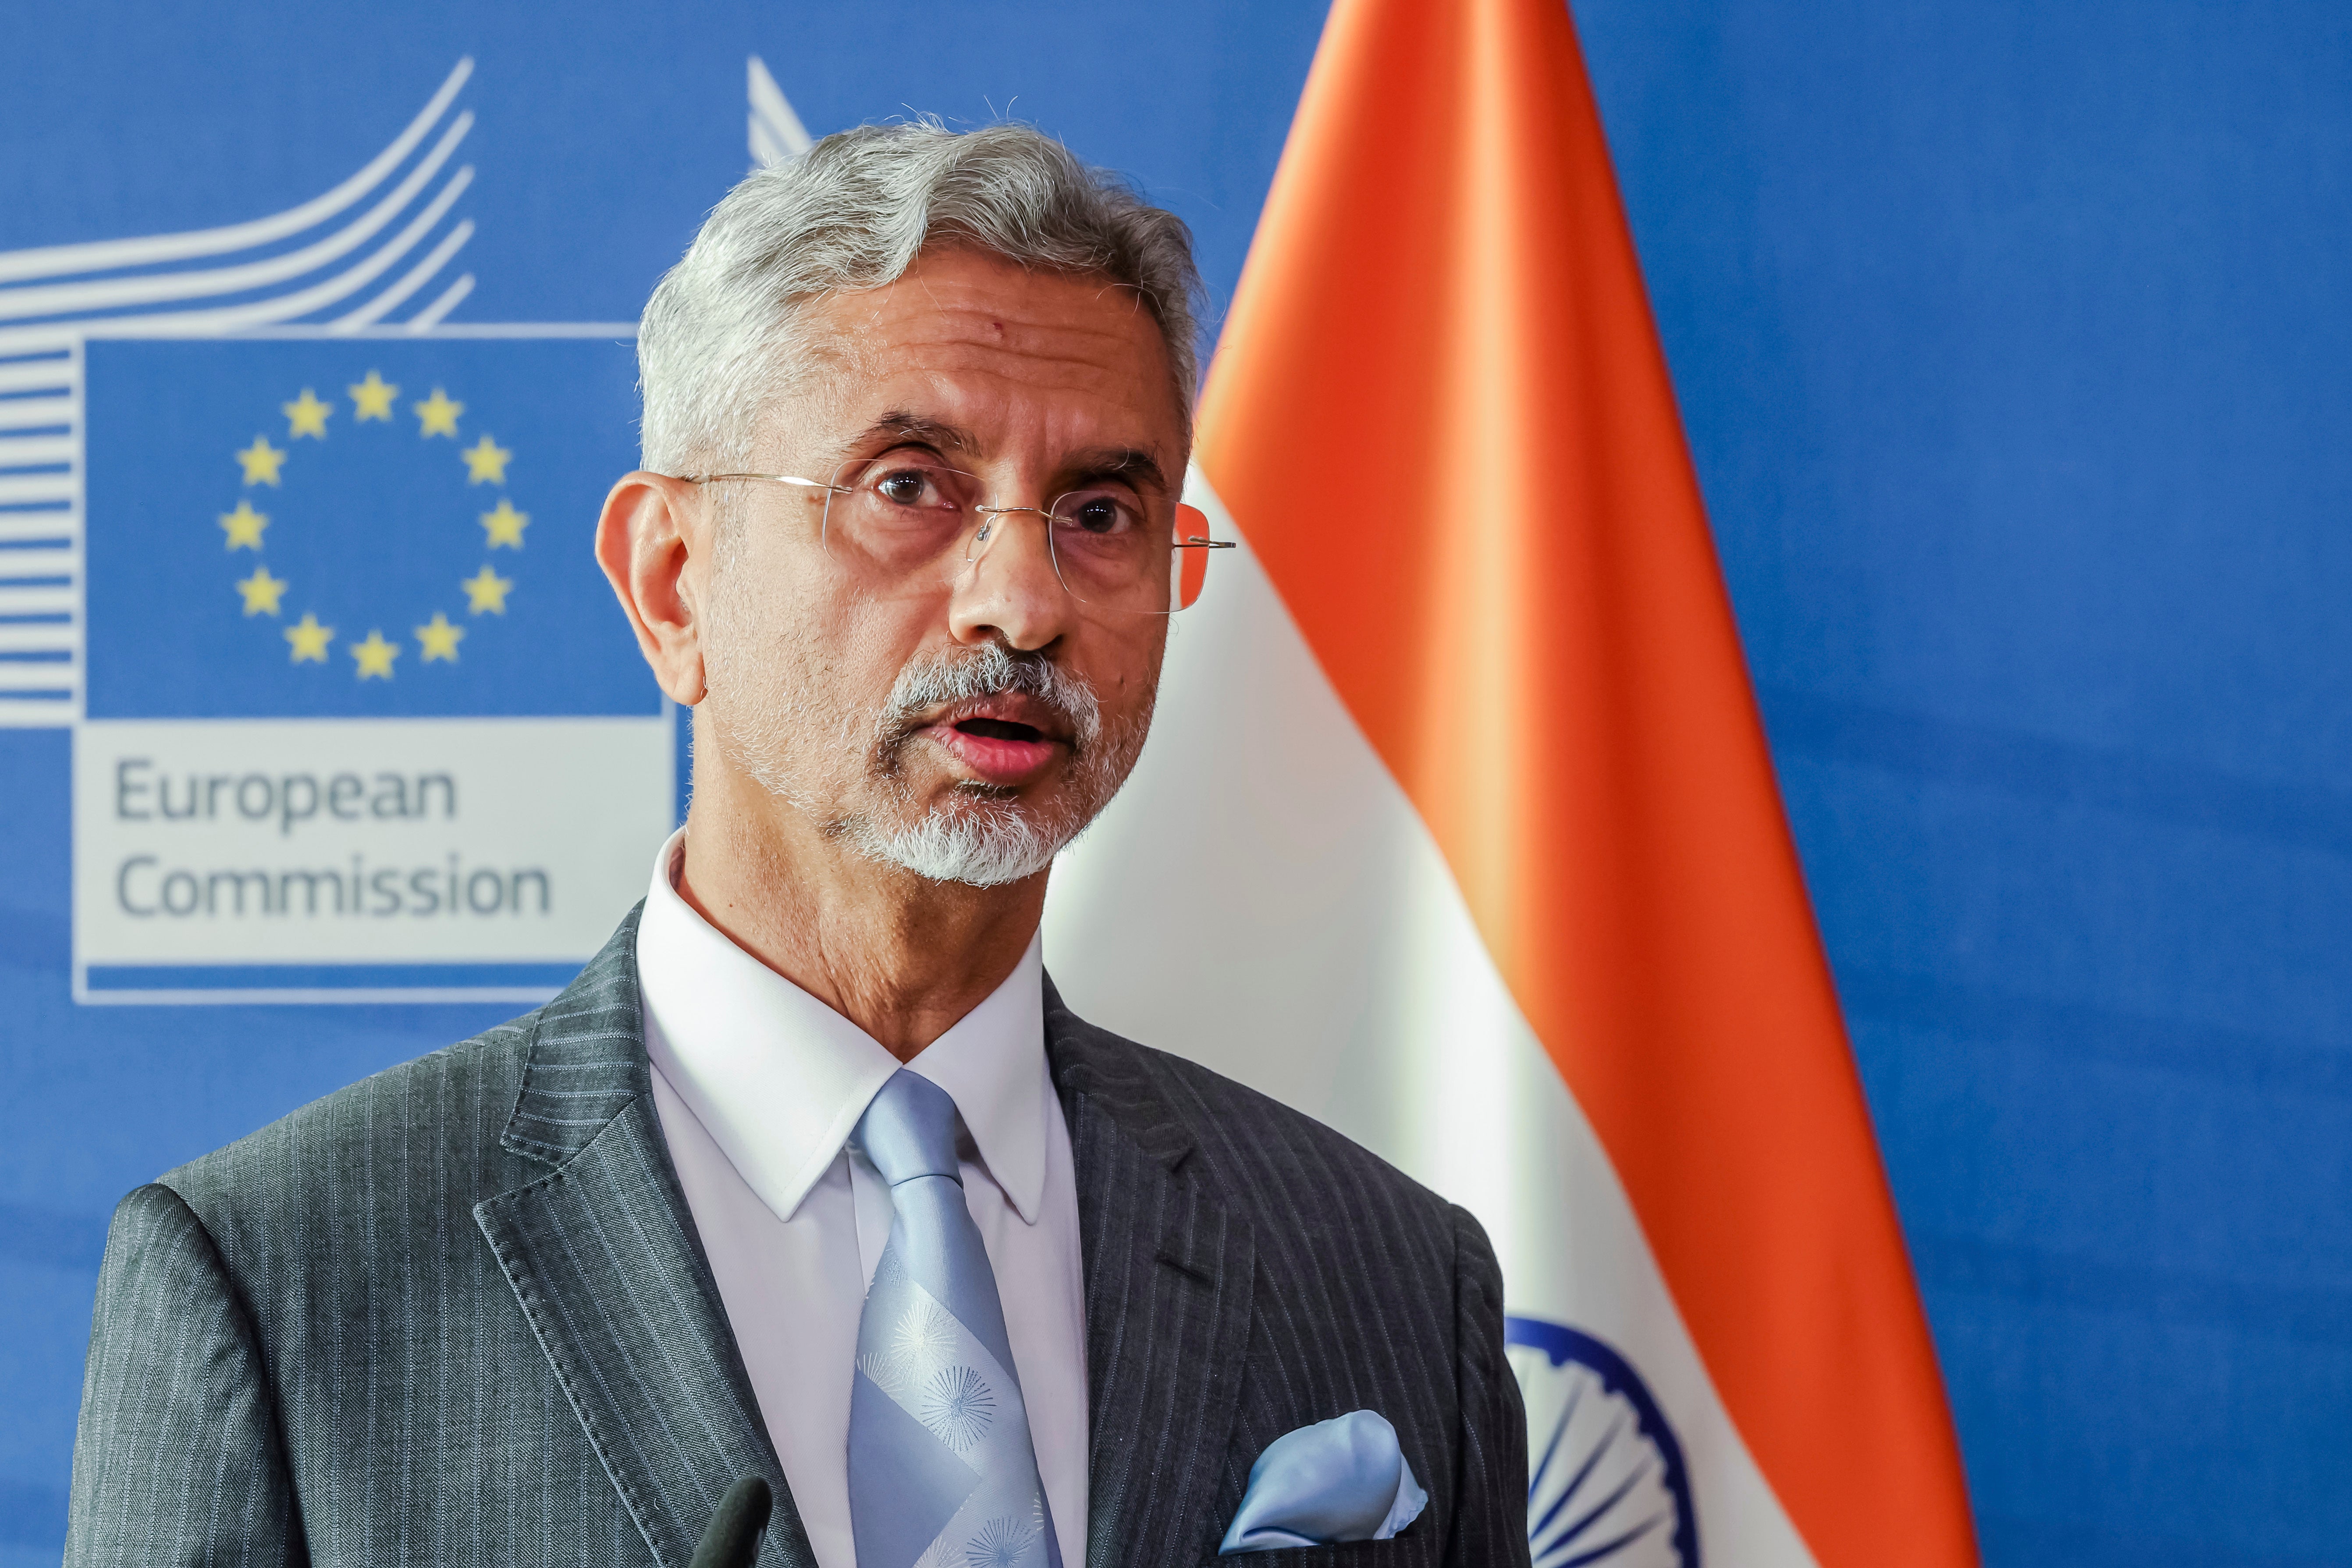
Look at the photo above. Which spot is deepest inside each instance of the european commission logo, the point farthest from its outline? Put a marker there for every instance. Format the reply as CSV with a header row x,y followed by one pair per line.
x,y
325,528
304,566
362,717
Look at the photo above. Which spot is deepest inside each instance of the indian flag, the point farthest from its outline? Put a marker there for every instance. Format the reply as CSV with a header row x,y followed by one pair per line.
x,y
1457,827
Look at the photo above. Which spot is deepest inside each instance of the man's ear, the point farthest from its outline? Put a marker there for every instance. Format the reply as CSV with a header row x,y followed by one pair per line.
x,y
653,525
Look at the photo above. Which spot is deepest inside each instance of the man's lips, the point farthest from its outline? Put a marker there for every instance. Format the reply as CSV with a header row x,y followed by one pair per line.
x,y
1006,739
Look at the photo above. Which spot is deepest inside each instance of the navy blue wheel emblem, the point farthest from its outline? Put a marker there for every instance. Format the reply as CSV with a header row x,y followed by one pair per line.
x,y
1606,1484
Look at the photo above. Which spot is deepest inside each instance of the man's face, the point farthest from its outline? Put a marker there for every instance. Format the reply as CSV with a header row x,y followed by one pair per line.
x,y
964,723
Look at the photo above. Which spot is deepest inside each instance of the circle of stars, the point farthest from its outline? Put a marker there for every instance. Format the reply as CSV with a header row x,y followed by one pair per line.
x,y
372,400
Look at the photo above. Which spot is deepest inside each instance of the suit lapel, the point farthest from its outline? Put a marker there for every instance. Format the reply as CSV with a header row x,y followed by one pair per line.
x,y
602,1258
1168,1275
602,1255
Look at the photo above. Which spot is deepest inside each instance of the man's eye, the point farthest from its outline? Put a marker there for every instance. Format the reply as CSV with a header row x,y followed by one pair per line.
x,y
907,488
1099,514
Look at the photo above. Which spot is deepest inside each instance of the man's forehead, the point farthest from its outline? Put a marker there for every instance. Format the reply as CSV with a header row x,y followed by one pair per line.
x,y
960,340
958,296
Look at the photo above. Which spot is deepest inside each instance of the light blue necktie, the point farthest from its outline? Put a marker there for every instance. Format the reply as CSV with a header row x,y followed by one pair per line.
x,y
941,1472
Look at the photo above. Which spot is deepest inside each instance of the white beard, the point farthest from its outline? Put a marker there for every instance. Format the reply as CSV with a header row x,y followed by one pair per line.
x,y
976,839
771,732
985,845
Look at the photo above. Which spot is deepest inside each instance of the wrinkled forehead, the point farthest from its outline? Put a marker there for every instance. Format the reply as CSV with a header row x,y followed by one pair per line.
x,y
1015,358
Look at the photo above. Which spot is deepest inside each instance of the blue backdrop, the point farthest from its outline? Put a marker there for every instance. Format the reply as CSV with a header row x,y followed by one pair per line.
x,y
2011,341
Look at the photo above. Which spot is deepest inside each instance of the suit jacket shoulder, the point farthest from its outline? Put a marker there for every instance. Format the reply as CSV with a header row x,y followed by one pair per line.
x,y
1365,1291
1251,1149
1238,1130
441,1114
306,1349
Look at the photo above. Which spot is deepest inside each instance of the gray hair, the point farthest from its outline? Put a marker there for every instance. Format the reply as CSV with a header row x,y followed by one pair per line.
x,y
720,336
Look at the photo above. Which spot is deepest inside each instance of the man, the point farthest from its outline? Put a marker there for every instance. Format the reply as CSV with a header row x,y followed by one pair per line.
x,y
810,1176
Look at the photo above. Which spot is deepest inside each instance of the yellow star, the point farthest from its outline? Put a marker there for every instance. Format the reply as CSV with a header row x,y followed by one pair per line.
x,y
244,526
310,639
486,590
262,461
486,459
505,525
440,639
262,592
372,398
438,415
306,415
375,656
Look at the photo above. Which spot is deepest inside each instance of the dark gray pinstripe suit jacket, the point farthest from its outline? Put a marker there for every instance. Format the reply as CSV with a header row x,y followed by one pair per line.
x,y
458,1314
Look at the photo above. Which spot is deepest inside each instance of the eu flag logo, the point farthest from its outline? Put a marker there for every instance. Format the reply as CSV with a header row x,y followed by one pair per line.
x,y
355,528
362,716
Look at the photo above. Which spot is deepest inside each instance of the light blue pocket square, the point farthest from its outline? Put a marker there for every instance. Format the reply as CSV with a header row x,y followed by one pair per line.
x,y
1341,1479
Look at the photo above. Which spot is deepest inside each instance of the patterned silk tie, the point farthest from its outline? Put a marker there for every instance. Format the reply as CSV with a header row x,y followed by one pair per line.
x,y
941,1472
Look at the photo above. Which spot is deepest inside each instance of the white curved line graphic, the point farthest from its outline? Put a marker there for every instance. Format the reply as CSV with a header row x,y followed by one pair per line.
x,y
59,260
286,307
29,487
80,298
37,449
776,132
427,319
38,375
416,278
765,148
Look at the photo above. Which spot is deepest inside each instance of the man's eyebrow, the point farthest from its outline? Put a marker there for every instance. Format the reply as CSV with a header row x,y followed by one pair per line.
x,y
896,426
1131,463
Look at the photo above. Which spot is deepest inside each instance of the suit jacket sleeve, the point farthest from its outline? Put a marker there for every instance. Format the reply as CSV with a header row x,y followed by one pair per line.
x,y
1492,1526
179,1459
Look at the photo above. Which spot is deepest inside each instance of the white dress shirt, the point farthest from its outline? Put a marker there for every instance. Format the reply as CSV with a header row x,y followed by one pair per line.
x,y
759,1085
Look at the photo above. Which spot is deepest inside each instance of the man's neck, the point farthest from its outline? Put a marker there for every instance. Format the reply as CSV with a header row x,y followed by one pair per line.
x,y
898,956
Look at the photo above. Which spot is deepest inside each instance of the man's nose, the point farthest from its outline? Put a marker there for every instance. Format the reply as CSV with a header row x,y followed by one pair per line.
x,y
1009,588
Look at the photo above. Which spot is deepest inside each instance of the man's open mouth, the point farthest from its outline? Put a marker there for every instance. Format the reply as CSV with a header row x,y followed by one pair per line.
x,y
1000,730
994,748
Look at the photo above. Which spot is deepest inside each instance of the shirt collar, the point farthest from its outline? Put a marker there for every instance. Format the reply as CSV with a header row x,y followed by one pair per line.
x,y
778,1080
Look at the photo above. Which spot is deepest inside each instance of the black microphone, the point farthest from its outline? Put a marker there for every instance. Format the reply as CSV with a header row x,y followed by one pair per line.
x,y
733,1538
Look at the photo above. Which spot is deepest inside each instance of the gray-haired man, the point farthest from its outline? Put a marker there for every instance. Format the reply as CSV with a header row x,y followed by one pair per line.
x,y
810,1176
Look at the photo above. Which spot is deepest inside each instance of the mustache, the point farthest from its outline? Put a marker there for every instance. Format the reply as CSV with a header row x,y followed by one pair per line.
x,y
990,670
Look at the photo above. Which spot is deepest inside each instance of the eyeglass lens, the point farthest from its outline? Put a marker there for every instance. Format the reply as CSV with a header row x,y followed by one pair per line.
x,y
907,522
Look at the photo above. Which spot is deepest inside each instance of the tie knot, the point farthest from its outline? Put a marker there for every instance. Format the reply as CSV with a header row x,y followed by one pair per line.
x,y
908,1130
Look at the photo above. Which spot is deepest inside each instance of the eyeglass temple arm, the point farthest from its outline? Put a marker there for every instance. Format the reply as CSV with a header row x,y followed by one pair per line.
x,y
1196,542
771,478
